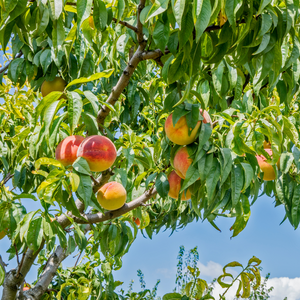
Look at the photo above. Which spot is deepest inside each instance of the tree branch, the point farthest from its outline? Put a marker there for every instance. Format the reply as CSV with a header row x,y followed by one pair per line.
x,y
7,177
100,217
6,67
126,25
120,86
45,279
140,35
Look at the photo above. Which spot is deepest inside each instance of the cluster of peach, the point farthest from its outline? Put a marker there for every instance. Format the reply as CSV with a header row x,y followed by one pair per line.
x,y
100,153
179,135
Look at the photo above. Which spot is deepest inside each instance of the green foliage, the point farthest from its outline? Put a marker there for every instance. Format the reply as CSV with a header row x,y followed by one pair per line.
x,y
238,60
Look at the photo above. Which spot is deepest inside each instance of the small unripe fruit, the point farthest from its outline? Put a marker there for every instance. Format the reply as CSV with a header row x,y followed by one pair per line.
x,y
175,186
269,172
56,85
66,151
98,151
112,196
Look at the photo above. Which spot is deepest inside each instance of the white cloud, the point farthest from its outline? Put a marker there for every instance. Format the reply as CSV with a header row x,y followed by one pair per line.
x,y
285,287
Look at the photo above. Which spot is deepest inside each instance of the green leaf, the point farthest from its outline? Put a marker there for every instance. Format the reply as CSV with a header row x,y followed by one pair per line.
x,y
286,160
161,35
105,74
290,130
212,179
100,15
191,176
158,7
2,275
186,27
296,206
48,161
172,296
162,185
45,59
84,8
262,5
34,234
85,189
120,9
74,109
56,8
203,17
13,68
74,180
178,9
237,183
81,166
249,174
265,25
79,237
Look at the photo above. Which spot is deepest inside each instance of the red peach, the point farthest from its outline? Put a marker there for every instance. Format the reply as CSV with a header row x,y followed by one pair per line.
x,y
269,173
112,196
99,152
66,151
182,162
175,186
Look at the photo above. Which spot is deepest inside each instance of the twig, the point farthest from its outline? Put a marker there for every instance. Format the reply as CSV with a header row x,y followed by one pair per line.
x,y
78,259
6,67
7,177
21,264
126,24
17,254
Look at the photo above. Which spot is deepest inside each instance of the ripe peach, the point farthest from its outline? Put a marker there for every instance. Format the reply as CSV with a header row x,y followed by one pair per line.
x,y
26,288
66,151
2,234
182,162
269,173
175,185
99,152
179,133
57,85
112,196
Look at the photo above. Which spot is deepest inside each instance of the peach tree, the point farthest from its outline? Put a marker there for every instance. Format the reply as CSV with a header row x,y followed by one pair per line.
x,y
225,73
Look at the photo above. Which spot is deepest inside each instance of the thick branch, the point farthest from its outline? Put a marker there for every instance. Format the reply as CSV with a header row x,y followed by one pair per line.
x,y
100,217
45,279
6,67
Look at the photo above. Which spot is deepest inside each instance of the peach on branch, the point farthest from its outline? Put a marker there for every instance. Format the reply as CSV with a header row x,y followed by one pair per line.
x,y
182,161
179,134
175,186
66,151
56,85
269,172
112,196
98,151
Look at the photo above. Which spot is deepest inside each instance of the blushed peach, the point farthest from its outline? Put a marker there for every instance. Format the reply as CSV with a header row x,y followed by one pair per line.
x,y
182,162
112,196
66,151
269,172
175,186
179,133
99,152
